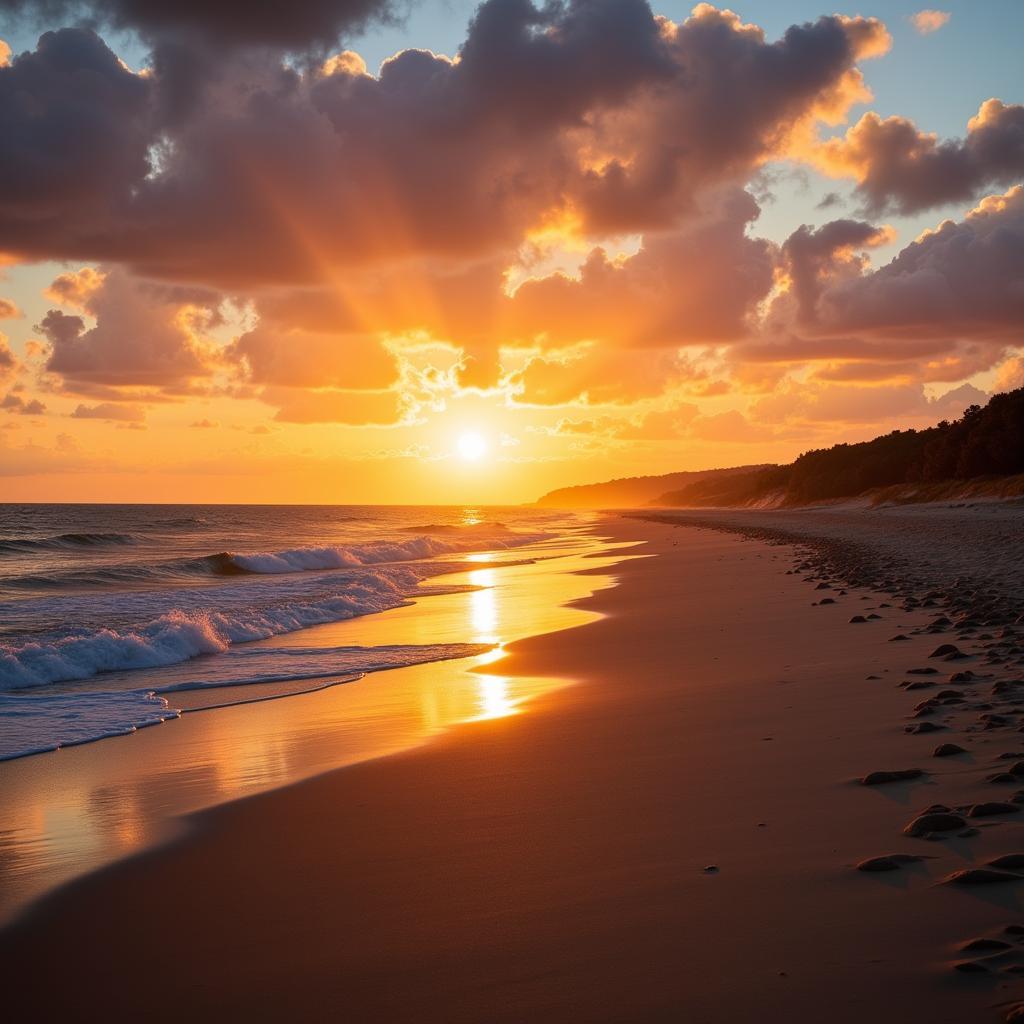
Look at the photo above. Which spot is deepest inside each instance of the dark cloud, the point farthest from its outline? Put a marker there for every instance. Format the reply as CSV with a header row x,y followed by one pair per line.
x,y
735,98
903,169
962,279
289,26
23,407
8,361
111,412
75,125
243,170
949,306
812,258
829,200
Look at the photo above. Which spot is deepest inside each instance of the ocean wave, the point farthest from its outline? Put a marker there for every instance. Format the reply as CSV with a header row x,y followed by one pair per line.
x,y
268,563
34,724
64,541
469,529
181,634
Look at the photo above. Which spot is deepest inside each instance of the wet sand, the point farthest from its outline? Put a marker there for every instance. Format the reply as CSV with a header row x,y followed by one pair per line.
x,y
674,838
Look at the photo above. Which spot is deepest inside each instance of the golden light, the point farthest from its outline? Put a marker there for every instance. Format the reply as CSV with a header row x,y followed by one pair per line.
x,y
471,446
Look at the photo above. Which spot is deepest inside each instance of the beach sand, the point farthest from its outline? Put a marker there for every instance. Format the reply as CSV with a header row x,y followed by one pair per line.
x,y
674,838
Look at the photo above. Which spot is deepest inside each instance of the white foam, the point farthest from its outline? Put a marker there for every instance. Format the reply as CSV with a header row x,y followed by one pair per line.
x,y
32,725
179,635
373,553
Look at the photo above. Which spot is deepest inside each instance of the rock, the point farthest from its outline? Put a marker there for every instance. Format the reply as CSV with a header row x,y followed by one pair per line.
x,y
936,821
1003,778
944,651
858,618
899,775
922,727
827,600
990,808
947,750
985,945
981,876
971,967
899,636
962,677
1008,862
889,862
927,671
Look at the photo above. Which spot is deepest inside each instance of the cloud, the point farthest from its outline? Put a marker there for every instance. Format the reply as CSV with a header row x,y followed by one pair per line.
x,y
728,428
594,374
245,170
697,284
9,310
205,424
110,412
225,23
8,361
929,20
903,169
813,257
962,279
16,404
144,335
1011,374
76,125
842,405
75,287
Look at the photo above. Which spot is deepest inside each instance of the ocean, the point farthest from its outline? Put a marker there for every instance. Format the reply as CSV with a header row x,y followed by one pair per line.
x,y
116,617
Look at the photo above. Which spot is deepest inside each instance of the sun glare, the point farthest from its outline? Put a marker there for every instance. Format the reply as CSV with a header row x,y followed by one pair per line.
x,y
472,446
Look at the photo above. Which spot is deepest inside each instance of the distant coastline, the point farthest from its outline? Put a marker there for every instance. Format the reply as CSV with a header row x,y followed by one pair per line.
x,y
977,456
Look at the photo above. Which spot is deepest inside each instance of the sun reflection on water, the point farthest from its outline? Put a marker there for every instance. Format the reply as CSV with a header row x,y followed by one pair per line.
x,y
483,607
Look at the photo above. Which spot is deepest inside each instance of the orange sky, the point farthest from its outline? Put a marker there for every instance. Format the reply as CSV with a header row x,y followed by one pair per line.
x,y
589,243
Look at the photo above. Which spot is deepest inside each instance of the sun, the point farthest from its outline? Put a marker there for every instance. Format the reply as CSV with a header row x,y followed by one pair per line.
x,y
472,446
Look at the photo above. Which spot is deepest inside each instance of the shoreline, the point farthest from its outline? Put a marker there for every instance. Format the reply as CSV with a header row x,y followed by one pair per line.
x,y
553,864
84,806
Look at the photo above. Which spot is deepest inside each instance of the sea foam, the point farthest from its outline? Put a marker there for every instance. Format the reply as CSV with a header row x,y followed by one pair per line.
x,y
179,635
32,724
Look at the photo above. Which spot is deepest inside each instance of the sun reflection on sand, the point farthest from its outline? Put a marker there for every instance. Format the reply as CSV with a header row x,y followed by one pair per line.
x,y
494,699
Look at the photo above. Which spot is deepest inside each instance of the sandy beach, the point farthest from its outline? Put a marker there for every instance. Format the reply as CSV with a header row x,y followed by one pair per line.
x,y
673,838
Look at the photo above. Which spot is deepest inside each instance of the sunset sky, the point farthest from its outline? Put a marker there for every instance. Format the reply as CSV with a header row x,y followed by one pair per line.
x,y
361,251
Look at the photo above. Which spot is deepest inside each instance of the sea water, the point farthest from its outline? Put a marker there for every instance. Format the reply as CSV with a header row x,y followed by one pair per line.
x,y
111,614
